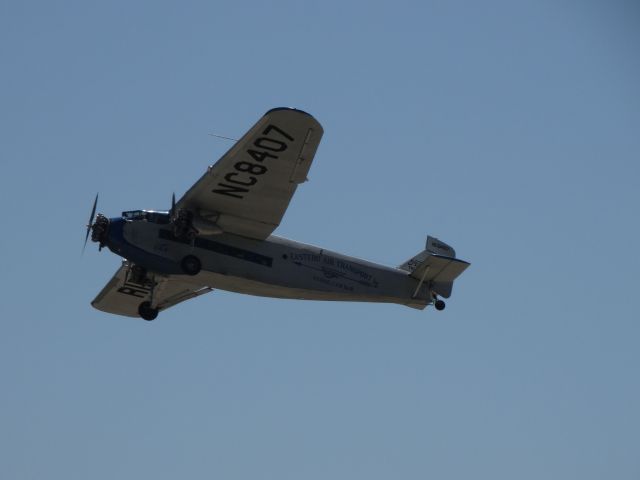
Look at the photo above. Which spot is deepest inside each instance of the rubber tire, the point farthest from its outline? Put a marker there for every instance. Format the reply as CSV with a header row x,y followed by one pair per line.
x,y
439,304
191,265
146,312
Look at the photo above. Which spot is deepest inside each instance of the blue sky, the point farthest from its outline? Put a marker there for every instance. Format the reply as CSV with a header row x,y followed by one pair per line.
x,y
510,130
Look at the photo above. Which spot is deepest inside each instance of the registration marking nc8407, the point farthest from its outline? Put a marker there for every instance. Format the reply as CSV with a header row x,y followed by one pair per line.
x,y
246,174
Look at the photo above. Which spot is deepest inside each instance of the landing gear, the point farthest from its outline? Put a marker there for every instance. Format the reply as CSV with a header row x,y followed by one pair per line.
x,y
147,312
191,265
437,303
138,275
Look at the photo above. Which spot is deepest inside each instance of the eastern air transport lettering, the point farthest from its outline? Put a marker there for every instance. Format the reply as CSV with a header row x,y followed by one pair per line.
x,y
247,173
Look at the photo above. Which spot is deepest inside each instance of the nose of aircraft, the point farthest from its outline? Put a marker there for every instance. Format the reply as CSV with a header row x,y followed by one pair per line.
x,y
99,229
114,232
106,231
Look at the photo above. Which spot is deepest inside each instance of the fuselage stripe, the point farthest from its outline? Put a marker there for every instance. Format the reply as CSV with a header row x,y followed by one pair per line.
x,y
220,248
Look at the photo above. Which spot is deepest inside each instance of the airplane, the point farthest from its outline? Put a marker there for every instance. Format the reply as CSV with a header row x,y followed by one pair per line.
x,y
219,236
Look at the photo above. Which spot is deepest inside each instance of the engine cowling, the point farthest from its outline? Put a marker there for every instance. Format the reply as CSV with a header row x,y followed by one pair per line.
x,y
205,226
100,230
182,224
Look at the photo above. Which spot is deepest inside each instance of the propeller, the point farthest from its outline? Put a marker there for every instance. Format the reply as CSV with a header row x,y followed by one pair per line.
x,y
93,213
173,206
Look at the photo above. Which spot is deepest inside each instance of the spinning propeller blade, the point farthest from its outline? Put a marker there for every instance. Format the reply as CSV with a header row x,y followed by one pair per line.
x,y
93,212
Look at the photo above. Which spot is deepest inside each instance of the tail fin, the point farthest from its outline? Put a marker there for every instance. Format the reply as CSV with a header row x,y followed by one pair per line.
x,y
433,246
436,265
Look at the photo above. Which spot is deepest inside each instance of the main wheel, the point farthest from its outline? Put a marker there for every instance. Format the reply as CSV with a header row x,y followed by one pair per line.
x,y
191,265
146,312
439,304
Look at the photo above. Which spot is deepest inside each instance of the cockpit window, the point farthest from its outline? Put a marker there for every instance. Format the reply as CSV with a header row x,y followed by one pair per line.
x,y
149,216
133,215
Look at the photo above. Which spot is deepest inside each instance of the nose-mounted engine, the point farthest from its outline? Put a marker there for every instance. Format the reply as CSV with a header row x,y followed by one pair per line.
x,y
99,230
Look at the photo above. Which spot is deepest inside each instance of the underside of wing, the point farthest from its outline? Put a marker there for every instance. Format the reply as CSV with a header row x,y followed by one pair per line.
x,y
124,293
248,190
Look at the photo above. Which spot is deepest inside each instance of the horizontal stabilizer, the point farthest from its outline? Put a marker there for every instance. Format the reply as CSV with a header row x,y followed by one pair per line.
x,y
440,272
436,266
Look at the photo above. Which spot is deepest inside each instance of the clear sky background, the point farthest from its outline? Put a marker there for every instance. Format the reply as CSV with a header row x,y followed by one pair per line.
x,y
509,129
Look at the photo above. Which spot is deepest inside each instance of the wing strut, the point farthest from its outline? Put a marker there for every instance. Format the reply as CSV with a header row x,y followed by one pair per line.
x,y
424,275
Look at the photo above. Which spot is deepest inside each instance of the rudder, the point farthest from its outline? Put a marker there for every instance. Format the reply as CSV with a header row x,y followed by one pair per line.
x,y
437,266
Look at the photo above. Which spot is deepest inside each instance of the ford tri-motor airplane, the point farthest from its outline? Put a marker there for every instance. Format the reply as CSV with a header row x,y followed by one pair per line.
x,y
219,235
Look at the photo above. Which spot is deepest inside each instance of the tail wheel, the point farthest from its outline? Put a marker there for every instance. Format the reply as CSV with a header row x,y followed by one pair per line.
x,y
147,312
191,265
439,304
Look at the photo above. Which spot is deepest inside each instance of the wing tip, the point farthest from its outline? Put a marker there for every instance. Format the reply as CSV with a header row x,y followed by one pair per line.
x,y
277,109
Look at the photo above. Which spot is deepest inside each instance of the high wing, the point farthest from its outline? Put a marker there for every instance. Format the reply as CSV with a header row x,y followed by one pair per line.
x,y
122,295
248,190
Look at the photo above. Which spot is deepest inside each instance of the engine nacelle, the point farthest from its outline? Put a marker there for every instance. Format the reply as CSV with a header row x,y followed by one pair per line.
x,y
187,224
100,229
205,226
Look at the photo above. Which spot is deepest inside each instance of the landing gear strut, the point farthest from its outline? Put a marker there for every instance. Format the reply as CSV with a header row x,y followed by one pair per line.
x,y
138,275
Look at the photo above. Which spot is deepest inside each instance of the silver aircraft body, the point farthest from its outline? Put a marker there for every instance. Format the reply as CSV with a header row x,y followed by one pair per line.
x,y
219,236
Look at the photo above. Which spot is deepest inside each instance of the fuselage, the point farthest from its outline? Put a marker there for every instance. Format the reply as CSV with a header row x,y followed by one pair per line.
x,y
274,267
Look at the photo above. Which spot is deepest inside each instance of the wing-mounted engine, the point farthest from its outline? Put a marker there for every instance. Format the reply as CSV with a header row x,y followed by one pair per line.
x,y
182,221
206,223
188,224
